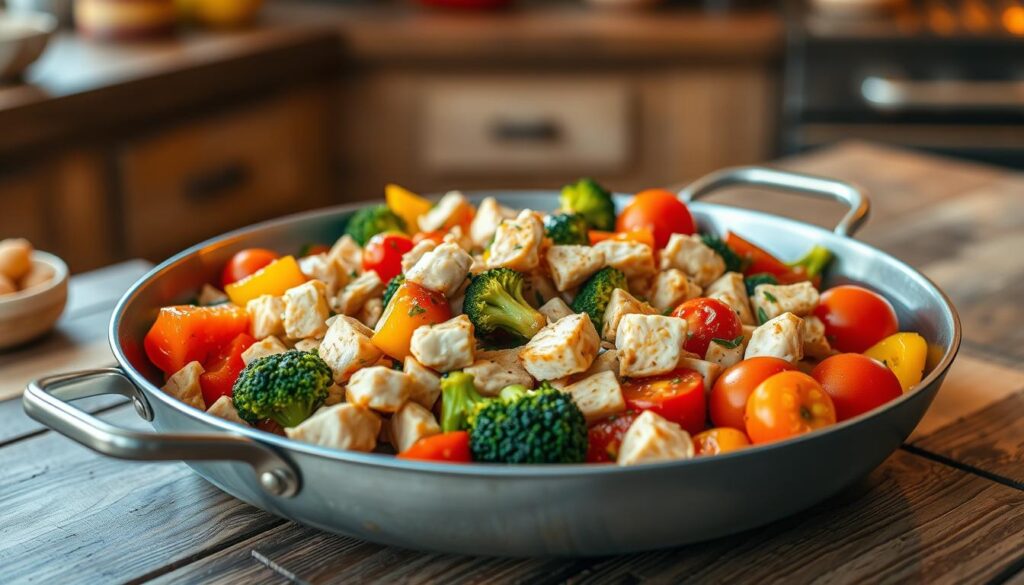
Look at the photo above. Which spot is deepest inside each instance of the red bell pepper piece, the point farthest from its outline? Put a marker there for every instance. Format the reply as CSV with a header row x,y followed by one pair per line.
x,y
223,369
450,447
186,333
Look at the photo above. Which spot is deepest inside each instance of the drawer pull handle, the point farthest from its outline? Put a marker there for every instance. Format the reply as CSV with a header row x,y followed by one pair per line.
x,y
216,182
547,131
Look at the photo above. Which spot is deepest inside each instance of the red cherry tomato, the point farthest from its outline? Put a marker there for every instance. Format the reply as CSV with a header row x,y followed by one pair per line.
x,y
856,383
786,405
728,400
450,447
245,263
719,440
605,437
383,254
659,211
222,371
707,319
855,318
677,396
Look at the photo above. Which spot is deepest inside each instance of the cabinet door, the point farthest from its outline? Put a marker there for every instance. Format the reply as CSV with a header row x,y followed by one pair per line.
x,y
24,198
208,176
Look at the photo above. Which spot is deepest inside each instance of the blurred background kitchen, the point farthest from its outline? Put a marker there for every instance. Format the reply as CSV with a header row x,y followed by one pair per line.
x,y
134,128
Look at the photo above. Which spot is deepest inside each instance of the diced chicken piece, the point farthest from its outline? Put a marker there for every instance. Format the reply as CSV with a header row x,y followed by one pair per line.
x,y
517,243
606,361
266,316
424,384
224,408
456,236
671,288
775,299
621,304
443,269
571,265
693,257
438,215
640,286
565,347
726,356
352,298
209,295
632,258
598,396
651,439
371,312
378,387
306,310
184,385
649,345
445,346
731,290
321,267
781,337
346,347
266,346
411,423
335,395
343,426
710,371
493,370
489,214
815,344
538,289
347,256
555,309
410,258
308,344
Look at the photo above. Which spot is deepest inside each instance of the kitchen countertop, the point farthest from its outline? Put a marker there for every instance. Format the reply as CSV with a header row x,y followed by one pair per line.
x,y
82,88
947,507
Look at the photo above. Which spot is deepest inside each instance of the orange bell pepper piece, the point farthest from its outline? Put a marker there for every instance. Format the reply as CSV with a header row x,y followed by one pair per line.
x,y
411,307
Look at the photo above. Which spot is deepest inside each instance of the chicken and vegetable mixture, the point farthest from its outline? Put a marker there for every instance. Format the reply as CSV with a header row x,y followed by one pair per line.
x,y
448,332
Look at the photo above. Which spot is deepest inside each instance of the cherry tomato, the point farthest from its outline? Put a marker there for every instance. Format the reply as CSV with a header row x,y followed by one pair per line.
x,y
246,262
728,400
436,236
677,396
605,437
786,405
855,318
187,333
657,210
707,319
856,383
222,371
450,447
719,440
383,254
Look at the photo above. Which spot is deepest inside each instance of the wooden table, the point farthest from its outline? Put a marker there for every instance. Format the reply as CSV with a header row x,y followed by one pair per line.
x,y
946,507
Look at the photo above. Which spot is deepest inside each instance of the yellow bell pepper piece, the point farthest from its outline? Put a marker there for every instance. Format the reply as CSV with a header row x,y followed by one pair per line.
x,y
273,279
406,205
904,354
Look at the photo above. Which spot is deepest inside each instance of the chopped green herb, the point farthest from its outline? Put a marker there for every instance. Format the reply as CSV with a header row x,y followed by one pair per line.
x,y
762,317
728,343
771,298
416,310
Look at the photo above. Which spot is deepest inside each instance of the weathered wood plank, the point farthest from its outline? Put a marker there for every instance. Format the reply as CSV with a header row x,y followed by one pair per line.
x,y
15,424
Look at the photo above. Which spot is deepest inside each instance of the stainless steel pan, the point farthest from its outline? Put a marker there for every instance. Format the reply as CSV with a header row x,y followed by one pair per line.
x,y
512,510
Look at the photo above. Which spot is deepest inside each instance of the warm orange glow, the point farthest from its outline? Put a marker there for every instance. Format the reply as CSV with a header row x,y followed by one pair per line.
x,y
977,17
1013,19
940,19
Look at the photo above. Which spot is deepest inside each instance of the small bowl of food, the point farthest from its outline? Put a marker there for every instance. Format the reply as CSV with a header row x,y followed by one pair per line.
x,y
33,291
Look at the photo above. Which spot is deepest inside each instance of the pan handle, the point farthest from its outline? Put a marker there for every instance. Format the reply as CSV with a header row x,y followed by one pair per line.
x,y
47,401
811,185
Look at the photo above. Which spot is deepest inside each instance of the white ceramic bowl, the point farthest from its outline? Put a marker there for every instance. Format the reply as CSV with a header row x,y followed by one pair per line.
x,y
23,36
27,314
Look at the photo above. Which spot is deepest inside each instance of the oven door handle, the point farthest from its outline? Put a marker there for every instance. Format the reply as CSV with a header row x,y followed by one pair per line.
x,y
895,94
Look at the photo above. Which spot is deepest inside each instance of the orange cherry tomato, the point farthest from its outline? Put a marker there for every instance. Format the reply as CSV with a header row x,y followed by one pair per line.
x,y
383,254
644,236
786,405
719,440
659,211
246,262
728,400
436,236
707,319
855,318
605,437
222,370
451,447
677,396
186,333
856,383
410,307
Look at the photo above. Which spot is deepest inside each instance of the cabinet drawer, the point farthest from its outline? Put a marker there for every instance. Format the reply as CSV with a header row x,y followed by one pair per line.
x,y
526,125
209,176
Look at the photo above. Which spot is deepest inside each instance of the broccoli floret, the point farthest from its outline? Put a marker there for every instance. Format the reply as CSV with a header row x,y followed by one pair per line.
x,y
544,426
585,197
494,300
567,229
459,399
814,262
285,387
733,261
370,221
392,287
753,280
595,293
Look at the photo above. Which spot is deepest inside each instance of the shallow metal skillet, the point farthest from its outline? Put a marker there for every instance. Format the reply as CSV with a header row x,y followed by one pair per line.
x,y
512,510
